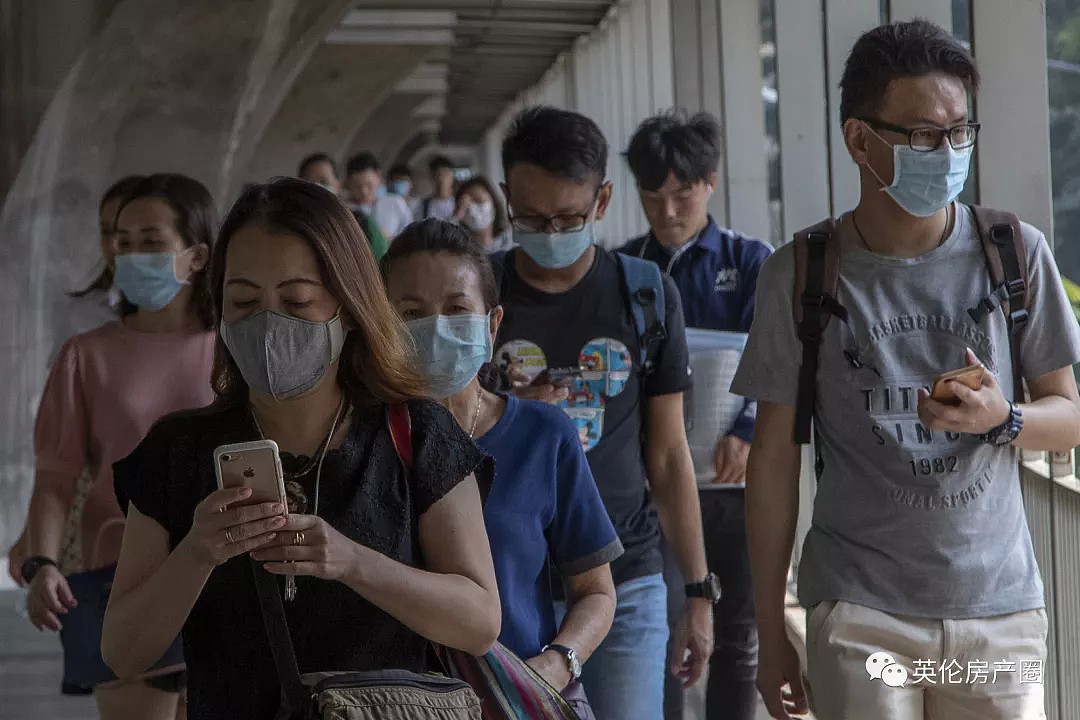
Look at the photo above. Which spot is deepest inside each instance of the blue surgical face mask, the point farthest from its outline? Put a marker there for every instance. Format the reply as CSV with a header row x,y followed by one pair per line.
x,y
401,187
555,251
148,280
452,348
381,192
925,182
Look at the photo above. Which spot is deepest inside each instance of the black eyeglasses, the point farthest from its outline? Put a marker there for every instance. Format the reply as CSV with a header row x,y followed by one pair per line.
x,y
928,139
563,223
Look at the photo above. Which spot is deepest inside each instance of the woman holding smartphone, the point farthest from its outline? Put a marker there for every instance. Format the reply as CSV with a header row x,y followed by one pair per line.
x,y
543,503
105,390
383,561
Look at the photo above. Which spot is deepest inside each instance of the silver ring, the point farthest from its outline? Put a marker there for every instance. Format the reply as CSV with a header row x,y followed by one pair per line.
x,y
228,535
299,539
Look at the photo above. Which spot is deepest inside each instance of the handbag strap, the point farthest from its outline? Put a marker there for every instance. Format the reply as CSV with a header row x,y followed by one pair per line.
x,y
293,696
400,424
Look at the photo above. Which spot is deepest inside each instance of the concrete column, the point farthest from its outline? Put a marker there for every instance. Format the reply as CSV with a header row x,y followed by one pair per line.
x,y
1013,105
938,12
803,108
845,21
745,167
39,42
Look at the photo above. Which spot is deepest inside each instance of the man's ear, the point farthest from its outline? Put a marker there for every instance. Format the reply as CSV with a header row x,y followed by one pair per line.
x,y
856,140
603,199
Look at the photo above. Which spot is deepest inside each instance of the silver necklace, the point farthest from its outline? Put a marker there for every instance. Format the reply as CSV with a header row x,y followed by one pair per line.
x,y
476,415
290,580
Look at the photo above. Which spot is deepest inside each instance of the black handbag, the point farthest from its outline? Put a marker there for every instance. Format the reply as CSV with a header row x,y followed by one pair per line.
x,y
80,635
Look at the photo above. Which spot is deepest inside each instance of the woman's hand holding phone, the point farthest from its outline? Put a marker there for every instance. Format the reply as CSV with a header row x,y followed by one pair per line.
x,y
220,532
308,545
977,412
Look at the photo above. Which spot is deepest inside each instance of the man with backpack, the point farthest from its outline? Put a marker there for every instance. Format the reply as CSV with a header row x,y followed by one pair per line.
x,y
674,161
602,335
918,560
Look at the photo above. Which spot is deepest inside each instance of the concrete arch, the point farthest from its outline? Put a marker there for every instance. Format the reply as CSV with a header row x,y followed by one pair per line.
x,y
339,90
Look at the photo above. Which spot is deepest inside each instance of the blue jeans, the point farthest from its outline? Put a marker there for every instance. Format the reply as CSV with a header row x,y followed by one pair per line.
x,y
624,678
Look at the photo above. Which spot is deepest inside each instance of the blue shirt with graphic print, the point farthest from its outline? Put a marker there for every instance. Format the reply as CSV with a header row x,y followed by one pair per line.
x,y
543,506
716,274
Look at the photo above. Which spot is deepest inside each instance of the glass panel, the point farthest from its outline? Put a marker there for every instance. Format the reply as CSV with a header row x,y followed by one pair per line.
x,y
772,121
1063,76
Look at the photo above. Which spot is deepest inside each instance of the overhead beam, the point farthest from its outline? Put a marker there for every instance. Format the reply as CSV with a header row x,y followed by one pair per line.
x,y
381,36
400,18
549,27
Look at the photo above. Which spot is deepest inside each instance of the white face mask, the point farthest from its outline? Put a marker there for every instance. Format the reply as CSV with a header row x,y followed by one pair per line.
x,y
479,216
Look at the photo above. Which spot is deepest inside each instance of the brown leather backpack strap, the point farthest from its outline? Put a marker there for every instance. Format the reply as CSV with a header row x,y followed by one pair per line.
x,y
814,301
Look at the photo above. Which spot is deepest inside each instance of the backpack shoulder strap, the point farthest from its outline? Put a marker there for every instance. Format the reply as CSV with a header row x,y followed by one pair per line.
x,y
1002,243
814,302
645,289
399,422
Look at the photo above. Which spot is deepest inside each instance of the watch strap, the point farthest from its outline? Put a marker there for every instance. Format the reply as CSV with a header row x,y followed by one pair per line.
x,y
709,588
572,662
33,564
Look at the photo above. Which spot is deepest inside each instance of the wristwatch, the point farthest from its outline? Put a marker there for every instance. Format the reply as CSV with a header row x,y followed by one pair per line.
x,y
1007,431
570,654
709,588
33,564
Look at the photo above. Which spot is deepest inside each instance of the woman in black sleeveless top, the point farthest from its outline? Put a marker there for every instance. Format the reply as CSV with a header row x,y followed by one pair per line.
x,y
378,562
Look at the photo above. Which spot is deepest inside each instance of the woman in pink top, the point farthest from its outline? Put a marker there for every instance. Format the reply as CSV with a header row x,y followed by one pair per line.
x,y
108,387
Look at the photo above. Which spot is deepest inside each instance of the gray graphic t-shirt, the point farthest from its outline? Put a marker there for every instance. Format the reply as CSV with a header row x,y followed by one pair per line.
x,y
909,521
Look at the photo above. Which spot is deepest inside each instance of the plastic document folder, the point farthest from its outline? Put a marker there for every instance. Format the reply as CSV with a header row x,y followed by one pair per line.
x,y
710,408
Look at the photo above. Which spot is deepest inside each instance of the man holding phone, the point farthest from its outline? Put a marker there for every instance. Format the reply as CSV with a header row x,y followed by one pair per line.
x,y
565,310
919,549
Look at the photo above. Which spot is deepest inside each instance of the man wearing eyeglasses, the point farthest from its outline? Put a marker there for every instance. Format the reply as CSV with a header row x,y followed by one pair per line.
x,y
569,337
918,568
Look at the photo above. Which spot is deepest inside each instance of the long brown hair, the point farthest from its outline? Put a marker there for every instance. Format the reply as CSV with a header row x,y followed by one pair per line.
x,y
196,220
377,360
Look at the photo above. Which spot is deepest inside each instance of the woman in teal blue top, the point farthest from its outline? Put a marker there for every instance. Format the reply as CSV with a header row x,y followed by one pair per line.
x,y
542,507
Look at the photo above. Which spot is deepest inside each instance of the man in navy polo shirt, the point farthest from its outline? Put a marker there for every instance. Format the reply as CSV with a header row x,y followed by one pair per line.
x,y
674,161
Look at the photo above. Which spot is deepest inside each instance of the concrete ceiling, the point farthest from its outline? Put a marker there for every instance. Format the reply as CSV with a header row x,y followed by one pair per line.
x,y
492,49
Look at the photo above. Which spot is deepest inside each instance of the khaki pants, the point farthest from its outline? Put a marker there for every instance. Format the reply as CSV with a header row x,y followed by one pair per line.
x,y
863,664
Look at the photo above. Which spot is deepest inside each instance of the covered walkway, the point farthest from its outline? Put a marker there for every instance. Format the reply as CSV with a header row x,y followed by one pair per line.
x,y
234,92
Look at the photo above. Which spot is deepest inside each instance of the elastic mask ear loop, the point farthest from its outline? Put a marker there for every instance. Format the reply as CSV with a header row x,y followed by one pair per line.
x,y
884,185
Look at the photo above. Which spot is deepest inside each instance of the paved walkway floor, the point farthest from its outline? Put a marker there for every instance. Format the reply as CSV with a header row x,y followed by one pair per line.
x,y
30,670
